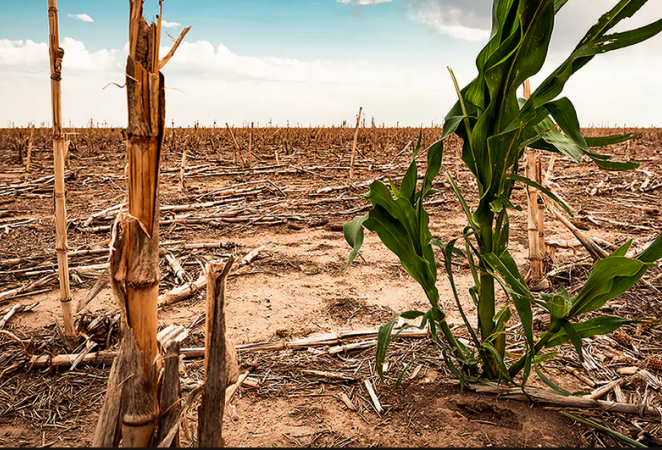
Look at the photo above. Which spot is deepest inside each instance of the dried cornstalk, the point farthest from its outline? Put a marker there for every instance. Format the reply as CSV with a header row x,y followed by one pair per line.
x,y
59,150
250,147
356,136
535,211
182,172
134,261
210,413
28,155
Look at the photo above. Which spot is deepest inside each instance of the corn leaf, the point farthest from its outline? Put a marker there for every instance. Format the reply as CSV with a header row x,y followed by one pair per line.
x,y
353,232
597,326
522,297
609,278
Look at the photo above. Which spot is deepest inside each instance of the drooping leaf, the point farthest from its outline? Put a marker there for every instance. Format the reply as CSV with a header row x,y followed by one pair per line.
x,y
383,341
397,238
609,278
574,338
597,326
550,383
353,232
602,141
506,267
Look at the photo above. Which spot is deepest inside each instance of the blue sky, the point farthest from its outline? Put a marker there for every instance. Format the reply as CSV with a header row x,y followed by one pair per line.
x,y
311,62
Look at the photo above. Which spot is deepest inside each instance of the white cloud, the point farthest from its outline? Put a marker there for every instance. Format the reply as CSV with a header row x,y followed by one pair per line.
x,y
364,2
83,17
212,82
166,24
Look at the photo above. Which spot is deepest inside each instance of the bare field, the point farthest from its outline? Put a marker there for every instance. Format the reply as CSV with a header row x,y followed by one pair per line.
x,y
291,203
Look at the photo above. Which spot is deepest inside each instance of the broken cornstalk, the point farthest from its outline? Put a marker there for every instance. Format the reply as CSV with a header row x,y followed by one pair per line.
x,y
210,413
134,260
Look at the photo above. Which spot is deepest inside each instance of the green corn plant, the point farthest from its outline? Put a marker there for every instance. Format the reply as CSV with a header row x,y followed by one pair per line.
x,y
496,126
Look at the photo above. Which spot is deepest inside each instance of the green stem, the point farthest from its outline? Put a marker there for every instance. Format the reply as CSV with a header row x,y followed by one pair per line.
x,y
451,339
486,304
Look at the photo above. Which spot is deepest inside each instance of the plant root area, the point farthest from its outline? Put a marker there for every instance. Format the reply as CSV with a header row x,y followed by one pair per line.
x,y
287,206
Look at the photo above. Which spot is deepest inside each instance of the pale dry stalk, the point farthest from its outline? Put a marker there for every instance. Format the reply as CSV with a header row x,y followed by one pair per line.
x,y
28,155
536,216
356,136
59,150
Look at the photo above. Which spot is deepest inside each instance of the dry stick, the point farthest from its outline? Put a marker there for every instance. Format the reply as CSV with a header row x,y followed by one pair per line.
x,y
107,357
182,172
101,283
28,156
90,219
212,407
146,111
356,136
15,309
250,147
373,396
186,290
604,390
552,398
177,268
59,149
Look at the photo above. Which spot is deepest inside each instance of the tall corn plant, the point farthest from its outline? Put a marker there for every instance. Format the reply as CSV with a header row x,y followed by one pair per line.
x,y
496,126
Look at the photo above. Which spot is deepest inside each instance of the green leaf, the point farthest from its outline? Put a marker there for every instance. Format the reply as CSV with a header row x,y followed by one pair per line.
x,y
654,251
602,141
353,232
435,155
556,304
574,338
501,203
408,366
622,250
597,326
398,239
463,202
410,315
522,297
408,186
503,370
563,112
550,383
383,341
545,357
394,189
448,259
594,42
609,278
